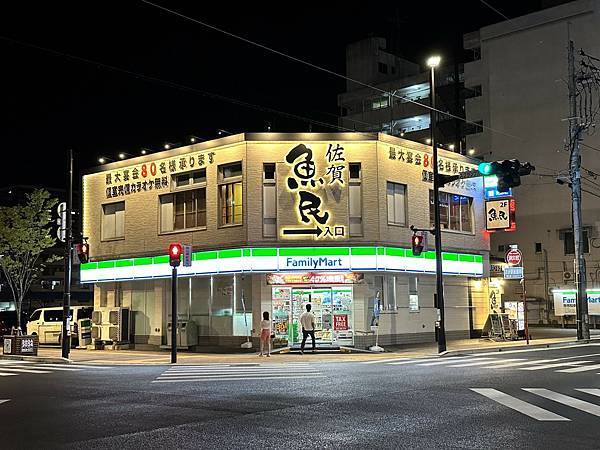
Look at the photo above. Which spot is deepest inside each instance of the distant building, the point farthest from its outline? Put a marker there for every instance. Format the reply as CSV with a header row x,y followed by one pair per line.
x,y
48,289
520,70
364,109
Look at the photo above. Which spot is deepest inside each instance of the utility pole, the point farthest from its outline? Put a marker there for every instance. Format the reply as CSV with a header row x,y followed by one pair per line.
x,y
439,280
66,325
575,129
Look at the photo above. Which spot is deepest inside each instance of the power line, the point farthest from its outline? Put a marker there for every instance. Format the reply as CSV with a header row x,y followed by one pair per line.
x,y
323,69
494,9
177,85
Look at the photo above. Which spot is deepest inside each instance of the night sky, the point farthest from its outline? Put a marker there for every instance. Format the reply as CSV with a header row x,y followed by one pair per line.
x,y
51,102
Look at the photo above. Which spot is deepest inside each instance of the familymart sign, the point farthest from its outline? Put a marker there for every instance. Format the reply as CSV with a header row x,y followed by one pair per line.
x,y
565,301
294,259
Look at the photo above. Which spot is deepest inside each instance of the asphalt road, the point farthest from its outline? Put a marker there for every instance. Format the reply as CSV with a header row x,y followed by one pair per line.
x,y
523,399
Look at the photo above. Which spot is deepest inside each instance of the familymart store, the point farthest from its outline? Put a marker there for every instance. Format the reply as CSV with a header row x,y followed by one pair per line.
x,y
224,292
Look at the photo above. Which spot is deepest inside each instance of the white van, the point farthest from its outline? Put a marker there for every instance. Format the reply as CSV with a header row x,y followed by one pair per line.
x,y
47,322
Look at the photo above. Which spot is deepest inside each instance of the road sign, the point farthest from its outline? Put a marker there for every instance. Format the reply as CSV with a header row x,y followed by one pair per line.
x,y
187,256
514,257
513,272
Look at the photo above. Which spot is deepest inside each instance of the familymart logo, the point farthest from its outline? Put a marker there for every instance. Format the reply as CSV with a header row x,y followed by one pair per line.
x,y
310,262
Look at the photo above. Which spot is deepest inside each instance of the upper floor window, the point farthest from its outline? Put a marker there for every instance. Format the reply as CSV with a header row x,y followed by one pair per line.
x,y
569,242
382,67
380,102
113,221
455,212
355,199
185,207
269,200
230,194
396,203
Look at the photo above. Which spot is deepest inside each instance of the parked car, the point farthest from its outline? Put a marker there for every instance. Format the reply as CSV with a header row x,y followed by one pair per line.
x,y
46,323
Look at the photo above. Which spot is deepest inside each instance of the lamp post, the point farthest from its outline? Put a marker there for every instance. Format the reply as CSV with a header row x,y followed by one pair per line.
x,y
432,63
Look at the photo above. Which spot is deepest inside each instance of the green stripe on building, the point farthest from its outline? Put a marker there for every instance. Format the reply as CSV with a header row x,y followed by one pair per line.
x,y
449,257
237,253
314,251
246,252
429,255
142,261
164,259
203,256
124,262
106,265
362,251
392,251
466,258
264,252
89,266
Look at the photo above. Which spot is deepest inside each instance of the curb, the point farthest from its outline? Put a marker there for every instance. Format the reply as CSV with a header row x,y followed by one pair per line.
x,y
38,359
470,351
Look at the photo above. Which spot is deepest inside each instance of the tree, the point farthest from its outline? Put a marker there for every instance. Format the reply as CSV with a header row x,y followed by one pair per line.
x,y
24,236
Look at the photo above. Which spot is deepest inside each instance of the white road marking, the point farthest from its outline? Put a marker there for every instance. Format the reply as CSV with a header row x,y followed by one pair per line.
x,y
481,363
519,405
3,374
581,405
553,365
580,369
412,361
236,379
453,359
4,401
16,369
522,363
377,361
595,392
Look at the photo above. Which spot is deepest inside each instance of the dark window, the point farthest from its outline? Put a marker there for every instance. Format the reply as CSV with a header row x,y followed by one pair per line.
x,y
393,69
569,243
382,67
354,170
53,315
473,128
269,170
455,212
85,313
538,247
35,315
474,91
501,248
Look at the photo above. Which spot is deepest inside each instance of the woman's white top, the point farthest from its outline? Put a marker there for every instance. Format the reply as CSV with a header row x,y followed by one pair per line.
x,y
265,325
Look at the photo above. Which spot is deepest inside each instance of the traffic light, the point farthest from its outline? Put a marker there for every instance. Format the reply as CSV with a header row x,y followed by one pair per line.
x,y
175,251
417,244
508,172
83,252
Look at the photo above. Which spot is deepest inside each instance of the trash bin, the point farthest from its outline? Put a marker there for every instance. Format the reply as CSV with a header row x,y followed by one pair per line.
x,y
21,345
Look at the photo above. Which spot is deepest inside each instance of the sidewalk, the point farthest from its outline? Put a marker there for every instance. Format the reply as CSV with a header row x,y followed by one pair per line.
x,y
558,337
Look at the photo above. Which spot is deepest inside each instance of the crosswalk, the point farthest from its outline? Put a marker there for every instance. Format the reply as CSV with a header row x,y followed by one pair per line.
x,y
566,365
541,414
9,368
238,372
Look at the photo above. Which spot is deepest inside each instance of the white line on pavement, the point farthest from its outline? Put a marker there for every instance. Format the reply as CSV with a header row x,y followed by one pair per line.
x,y
377,361
580,369
236,379
448,361
595,392
553,365
522,363
15,369
3,374
566,400
4,401
519,405
480,362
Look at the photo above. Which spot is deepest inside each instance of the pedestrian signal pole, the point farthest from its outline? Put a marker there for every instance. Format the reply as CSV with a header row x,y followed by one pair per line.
x,y
175,251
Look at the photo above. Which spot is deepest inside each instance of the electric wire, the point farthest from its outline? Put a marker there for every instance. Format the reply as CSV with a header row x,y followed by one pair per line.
x,y
179,86
323,69
494,9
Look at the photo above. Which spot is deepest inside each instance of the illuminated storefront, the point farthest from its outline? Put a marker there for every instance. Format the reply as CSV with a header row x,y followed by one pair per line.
x,y
277,221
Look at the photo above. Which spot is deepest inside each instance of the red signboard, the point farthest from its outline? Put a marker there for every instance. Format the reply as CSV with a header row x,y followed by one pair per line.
x,y
314,278
340,322
514,257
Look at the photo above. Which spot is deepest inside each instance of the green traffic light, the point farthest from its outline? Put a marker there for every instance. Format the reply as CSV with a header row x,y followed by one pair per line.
x,y
485,168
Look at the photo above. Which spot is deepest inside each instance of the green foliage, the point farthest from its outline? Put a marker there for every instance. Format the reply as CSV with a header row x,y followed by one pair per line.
x,y
24,236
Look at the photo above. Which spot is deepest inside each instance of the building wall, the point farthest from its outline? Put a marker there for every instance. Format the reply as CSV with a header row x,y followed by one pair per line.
x,y
525,98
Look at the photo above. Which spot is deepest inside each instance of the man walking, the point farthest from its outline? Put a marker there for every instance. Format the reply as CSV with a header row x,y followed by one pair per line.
x,y
307,321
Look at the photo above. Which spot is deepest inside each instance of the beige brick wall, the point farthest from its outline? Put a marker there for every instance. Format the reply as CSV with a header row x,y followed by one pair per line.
x,y
142,236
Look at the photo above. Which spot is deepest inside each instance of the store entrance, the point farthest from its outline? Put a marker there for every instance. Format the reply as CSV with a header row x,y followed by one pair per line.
x,y
331,306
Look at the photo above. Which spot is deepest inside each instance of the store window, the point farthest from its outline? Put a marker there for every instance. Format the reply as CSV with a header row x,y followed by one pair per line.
x,y
380,102
455,212
355,199
113,221
396,203
413,294
185,208
269,200
230,194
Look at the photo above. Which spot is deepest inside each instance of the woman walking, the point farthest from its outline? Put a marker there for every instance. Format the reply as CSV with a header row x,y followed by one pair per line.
x,y
265,335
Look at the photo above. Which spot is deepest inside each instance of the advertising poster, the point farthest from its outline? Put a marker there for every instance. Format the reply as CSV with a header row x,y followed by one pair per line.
x,y
340,322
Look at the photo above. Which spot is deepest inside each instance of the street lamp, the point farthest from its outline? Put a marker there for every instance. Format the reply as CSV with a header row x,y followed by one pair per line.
x,y
103,159
124,155
432,63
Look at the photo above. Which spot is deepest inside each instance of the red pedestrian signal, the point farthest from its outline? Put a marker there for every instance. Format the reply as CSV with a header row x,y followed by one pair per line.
x,y
175,251
83,252
417,244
